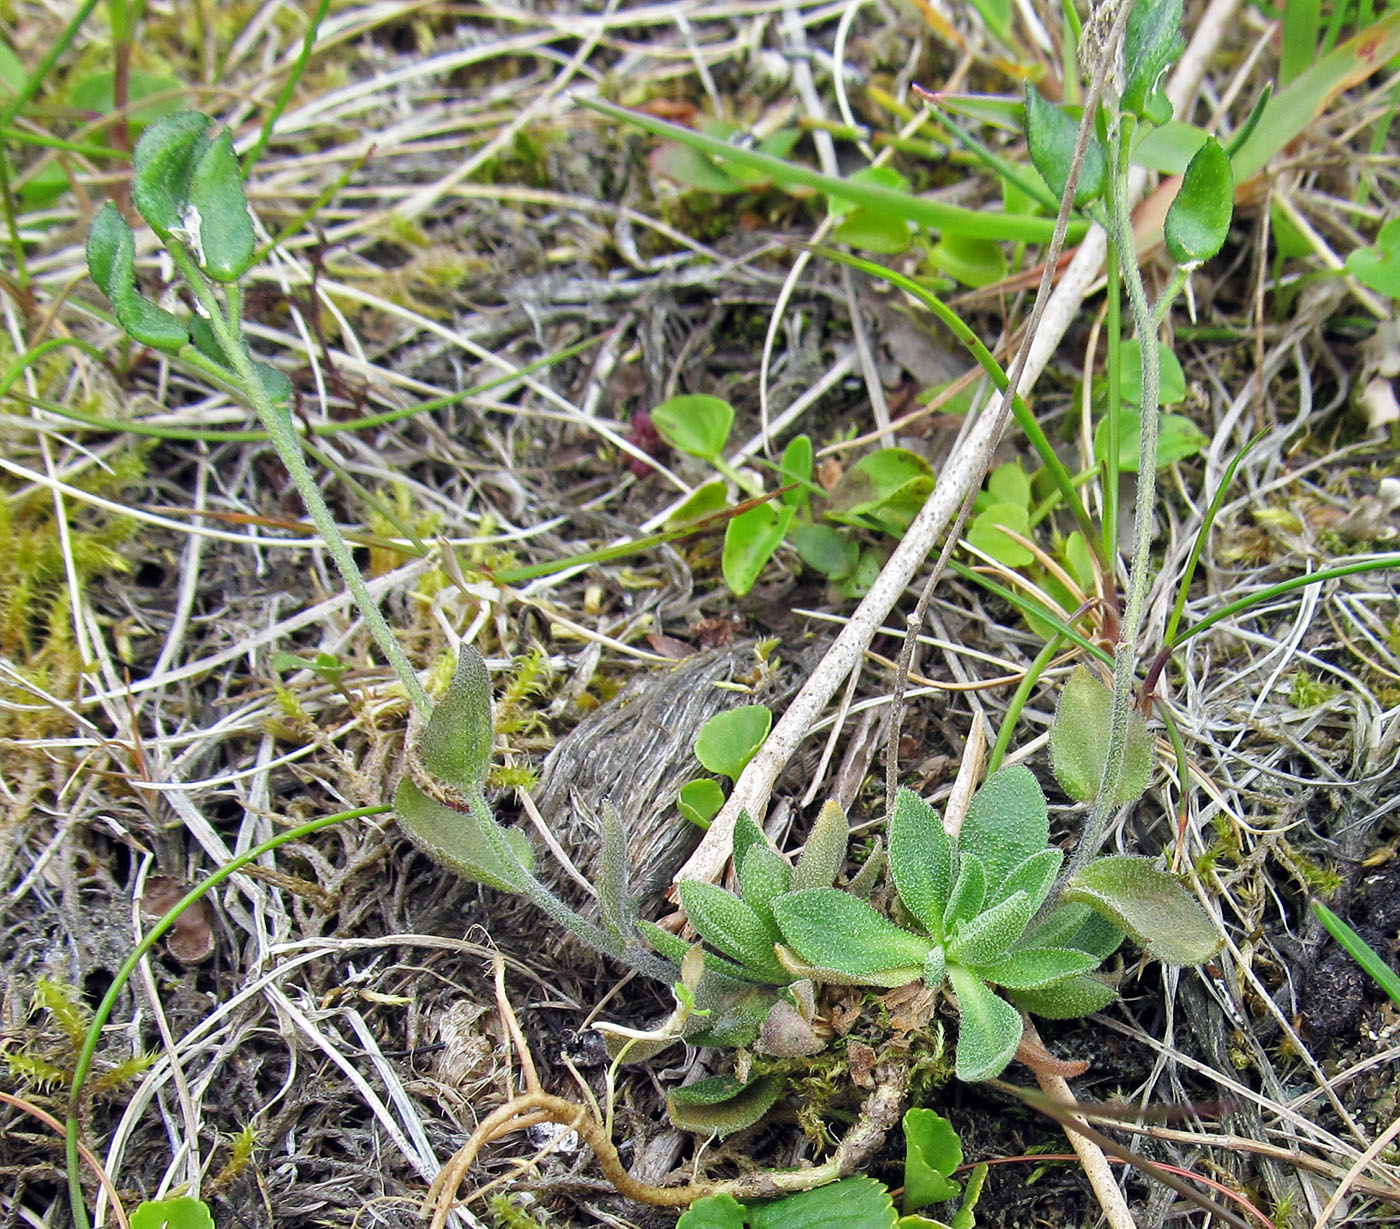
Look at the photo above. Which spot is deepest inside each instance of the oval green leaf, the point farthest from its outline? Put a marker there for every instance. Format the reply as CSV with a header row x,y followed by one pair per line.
x,y
1050,135
989,1028
833,930
225,229
1198,221
749,542
695,423
728,740
1151,906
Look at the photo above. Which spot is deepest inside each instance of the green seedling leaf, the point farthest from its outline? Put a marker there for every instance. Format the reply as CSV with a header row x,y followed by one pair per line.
x,y
825,851
700,800
1151,906
822,548
869,565
181,1212
988,936
226,240
164,162
873,229
1050,135
456,742
795,470
1055,929
324,665
932,1150
1006,823
1169,148
1378,267
111,257
831,929
1066,1000
985,533
1370,961
1198,220
920,860
705,500
989,1028
713,1212
1151,41
1079,559
1079,741
968,894
763,874
696,424
888,487
692,169
1171,378
858,1203
96,92
730,926
729,740
457,839
1010,484
1034,968
721,1105
1177,439
973,262
749,542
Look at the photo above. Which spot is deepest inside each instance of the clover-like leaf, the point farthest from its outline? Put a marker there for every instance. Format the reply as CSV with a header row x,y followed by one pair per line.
x,y
831,929
730,926
1006,822
700,800
1065,1000
825,850
932,1151
750,538
1151,41
177,1212
920,860
989,1028
1198,220
163,162
988,936
1153,907
729,740
968,894
226,240
721,1105
859,1202
1079,741
1051,134
1032,968
456,742
696,424
458,839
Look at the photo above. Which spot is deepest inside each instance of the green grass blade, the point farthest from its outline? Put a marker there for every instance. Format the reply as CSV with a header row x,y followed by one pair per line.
x,y
1360,951
935,215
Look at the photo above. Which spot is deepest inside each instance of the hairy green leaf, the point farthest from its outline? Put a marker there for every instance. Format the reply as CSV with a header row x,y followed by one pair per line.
x,y
164,162
1031,968
1079,741
989,1028
1151,41
713,1212
969,892
1065,1000
729,925
833,930
763,874
1006,823
457,839
920,860
456,742
988,936
1051,134
1198,220
615,900
111,257
1035,877
859,1203
226,240
721,1105
825,851
1153,907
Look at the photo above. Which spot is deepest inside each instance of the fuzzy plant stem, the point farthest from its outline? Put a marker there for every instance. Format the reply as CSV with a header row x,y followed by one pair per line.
x,y
1145,321
278,426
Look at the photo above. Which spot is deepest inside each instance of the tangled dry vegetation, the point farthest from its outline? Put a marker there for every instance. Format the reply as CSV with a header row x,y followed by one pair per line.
x,y
311,1045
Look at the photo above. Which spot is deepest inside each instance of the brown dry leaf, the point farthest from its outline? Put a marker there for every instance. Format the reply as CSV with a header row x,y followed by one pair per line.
x,y
910,1007
191,939
862,1059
